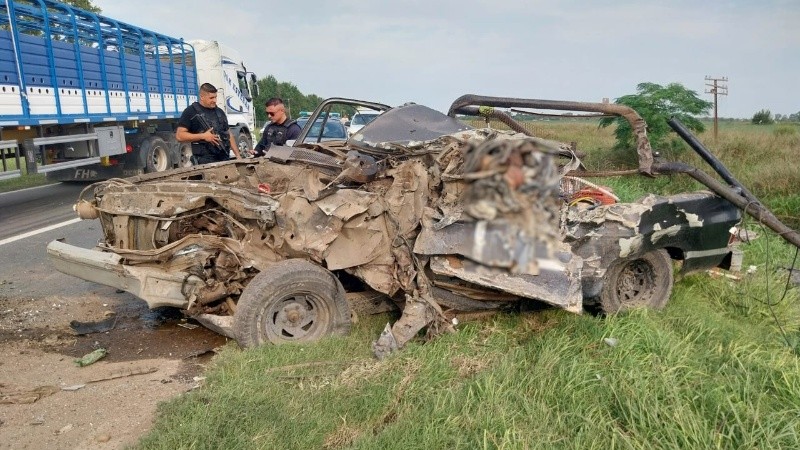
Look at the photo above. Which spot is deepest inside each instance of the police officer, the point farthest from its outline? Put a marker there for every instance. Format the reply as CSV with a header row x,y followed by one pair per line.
x,y
280,128
206,127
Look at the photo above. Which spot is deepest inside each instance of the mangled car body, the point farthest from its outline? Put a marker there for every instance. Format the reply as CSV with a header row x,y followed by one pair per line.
x,y
438,217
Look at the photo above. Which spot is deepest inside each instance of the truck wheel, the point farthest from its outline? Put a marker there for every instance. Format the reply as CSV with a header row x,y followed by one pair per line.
x,y
245,144
185,154
644,281
292,301
156,154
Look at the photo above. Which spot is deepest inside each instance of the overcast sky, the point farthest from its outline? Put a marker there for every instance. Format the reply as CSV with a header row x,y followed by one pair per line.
x,y
431,52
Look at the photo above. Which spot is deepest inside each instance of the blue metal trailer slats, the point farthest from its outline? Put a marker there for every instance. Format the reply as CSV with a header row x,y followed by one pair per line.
x,y
60,64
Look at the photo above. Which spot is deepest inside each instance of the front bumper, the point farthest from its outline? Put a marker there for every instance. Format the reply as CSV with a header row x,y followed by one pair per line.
x,y
154,286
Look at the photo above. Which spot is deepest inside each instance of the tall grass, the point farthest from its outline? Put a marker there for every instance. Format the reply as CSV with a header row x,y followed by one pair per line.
x,y
764,158
707,372
714,369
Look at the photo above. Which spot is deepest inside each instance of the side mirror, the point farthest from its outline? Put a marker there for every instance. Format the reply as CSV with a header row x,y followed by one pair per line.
x,y
254,84
347,124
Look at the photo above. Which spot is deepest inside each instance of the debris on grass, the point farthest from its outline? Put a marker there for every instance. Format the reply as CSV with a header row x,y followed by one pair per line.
x,y
716,273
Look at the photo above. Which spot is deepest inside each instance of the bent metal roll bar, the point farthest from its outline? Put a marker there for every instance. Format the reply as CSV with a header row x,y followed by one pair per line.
x,y
478,105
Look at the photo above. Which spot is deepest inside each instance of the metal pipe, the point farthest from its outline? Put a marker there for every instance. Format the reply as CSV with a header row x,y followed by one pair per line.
x,y
12,20
638,125
755,209
499,115
709,157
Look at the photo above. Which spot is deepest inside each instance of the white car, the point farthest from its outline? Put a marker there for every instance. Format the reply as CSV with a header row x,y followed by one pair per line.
x,y
361,117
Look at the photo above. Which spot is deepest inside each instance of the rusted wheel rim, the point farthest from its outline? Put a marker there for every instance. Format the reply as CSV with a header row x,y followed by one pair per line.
x,y
298,317
636,283
244,147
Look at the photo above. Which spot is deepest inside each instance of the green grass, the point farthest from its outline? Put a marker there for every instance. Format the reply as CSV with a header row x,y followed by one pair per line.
x,y
23,182
711,370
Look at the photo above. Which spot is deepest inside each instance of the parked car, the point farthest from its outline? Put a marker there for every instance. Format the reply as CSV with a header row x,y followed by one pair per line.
x,y
331,130
418,211
322,130
361,117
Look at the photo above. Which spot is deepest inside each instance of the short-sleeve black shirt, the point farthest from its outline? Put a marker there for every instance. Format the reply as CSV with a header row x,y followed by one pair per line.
x,y
215,118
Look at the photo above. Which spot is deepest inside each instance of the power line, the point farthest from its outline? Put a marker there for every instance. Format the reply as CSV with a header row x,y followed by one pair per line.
x,y
717,88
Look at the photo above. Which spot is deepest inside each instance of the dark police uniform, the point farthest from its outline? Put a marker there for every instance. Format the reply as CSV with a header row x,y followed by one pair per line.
x,y
277,134
198,119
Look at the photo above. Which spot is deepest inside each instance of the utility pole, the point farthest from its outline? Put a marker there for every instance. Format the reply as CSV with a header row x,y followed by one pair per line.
x,y
716,88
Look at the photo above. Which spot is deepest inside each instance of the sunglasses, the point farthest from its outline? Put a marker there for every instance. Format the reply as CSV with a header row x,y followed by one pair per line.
x,y
271,113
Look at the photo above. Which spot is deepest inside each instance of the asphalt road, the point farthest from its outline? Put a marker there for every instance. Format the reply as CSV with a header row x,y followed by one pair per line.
x,y
24,269
32,209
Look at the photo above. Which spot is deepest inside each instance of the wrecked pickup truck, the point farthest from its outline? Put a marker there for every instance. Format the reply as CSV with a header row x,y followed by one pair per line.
x,y
429,214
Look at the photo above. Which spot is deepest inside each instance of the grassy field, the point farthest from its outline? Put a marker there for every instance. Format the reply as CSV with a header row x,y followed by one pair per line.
x,y
709,371
765,158
714,369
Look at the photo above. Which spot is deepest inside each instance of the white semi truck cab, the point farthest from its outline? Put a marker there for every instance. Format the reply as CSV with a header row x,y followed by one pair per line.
x,y
222,66
87,97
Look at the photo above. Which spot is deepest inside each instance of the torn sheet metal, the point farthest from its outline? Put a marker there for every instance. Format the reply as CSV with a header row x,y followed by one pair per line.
x,y
416,195
557,283
625,230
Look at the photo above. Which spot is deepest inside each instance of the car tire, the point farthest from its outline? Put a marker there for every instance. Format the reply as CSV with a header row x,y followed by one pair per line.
x,y
292,301
156,154
245,145
642,281
185,155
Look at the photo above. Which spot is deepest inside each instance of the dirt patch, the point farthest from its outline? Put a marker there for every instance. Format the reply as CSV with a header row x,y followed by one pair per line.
x,y
152,356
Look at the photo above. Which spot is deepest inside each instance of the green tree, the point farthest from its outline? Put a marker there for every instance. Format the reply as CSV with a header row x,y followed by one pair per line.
x,y
270,87
657,104
294,100
84,4
763,117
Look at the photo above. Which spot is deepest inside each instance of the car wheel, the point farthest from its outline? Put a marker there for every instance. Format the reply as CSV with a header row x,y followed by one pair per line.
x,y
185,153
292,301
245,144
156,154
644,281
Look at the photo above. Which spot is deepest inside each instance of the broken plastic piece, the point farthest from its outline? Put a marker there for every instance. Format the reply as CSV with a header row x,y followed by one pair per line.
x,y
386,343
611,342
91,358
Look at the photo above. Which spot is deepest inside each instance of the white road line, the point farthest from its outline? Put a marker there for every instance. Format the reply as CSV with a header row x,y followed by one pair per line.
x,y
39,231
29,189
